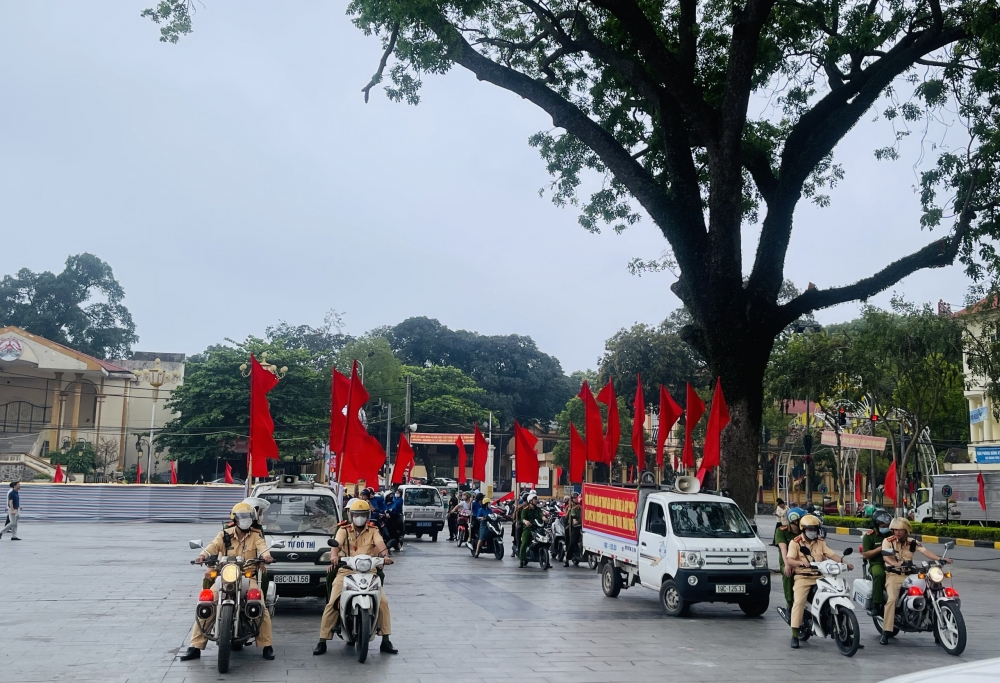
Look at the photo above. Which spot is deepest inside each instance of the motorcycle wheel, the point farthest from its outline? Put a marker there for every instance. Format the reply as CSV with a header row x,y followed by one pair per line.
x,y
225,634
498,550
461,537
878,621
951,633
848,634
364,622
543,558
591,561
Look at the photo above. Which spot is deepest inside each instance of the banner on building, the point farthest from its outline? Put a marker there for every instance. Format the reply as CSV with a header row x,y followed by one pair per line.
x,y
977,415
610,510
440,439
859,441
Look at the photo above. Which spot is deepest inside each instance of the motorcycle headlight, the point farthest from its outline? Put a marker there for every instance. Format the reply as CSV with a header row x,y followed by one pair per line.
x,y
363,565
834,569
690,559
935,574
230,573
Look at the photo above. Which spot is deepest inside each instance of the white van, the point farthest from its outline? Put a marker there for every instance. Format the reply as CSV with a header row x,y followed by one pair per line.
x,y
423,510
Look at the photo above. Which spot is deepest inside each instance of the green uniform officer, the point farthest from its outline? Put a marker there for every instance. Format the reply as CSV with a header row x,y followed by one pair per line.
x,y
871,551
530,518
782,537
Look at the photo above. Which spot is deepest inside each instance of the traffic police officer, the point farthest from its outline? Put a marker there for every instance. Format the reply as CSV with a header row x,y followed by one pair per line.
x,y
530,517
244,538
871,550
783,535
896,550
358,536
806,576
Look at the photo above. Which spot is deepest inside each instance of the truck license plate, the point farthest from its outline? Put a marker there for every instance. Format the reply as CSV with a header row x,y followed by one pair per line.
x,y
730,588
290,578
423,523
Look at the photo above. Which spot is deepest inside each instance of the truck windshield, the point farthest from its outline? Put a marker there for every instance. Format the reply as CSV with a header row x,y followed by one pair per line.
x,y
421,497
703,519
300,514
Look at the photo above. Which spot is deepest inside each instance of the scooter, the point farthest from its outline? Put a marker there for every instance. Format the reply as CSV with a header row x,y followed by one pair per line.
x,y
231,616
829,611
538,547
558,533
924,604
360,600
462,534
494,540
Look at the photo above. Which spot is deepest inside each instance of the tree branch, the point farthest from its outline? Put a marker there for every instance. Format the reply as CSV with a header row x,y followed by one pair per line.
x,y
377,78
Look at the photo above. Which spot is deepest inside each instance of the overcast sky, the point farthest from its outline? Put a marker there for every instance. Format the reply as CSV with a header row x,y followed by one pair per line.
x,y
238,178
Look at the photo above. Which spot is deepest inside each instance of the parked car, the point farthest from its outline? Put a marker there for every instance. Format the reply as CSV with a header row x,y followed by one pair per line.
x,y
223,482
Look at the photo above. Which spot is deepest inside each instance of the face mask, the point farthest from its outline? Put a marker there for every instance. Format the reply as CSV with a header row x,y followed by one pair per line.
x,y
359,520
244,523
812,535
884,531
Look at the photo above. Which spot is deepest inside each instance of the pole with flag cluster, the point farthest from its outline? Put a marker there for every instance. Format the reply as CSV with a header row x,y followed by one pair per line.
x,y
693,410
613,436
670,412
638,428
718,418
261,445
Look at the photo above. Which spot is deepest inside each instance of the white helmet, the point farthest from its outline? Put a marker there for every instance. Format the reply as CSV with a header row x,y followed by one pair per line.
x,y
259,506
531,496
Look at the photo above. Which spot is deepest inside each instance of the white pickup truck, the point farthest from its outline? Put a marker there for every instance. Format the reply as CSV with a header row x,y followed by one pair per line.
x,y
690,547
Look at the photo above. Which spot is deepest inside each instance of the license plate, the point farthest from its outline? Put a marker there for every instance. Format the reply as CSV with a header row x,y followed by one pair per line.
x,y
300,545
423,523
730,588
290,578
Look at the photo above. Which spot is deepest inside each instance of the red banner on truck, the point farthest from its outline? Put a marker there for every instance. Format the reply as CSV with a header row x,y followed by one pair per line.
x,y
610,510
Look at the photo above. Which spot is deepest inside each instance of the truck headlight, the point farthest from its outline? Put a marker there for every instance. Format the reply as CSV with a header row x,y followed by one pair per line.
x,y
690,559
759,559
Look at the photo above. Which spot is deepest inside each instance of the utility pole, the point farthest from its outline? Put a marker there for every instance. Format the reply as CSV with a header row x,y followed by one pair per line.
x,y
406,411
388,432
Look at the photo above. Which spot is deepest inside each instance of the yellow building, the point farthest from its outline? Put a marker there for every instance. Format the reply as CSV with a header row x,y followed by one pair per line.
x,y
52,397
984,431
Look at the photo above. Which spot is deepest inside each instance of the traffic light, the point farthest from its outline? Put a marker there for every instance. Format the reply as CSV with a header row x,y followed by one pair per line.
x,y
842,417
874,418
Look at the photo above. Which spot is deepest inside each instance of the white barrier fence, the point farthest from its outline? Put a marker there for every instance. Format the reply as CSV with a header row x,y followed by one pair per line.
x,y
127,503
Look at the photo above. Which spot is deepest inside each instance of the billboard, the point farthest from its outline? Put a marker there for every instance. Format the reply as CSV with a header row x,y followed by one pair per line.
x,y
610,510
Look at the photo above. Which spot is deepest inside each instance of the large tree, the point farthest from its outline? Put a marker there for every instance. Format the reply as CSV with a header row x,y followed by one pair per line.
x,y
81,307
655,96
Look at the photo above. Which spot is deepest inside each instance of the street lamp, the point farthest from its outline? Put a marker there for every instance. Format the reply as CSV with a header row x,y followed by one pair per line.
x,y
156,377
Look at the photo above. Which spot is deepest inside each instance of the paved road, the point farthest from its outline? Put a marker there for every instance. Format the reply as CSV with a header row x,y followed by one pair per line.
x,y
88,602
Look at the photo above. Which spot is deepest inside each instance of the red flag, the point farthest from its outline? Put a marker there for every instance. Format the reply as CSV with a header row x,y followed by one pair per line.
x,y
262,445
340,387
694,409
718,418
461,460
138,471
525,455
504,498
173,471
857,487
982,491
229,473
613,436
890,482
577,455
670,412
638,425
361,455
404,460
480,454
592,425
58,479
558,475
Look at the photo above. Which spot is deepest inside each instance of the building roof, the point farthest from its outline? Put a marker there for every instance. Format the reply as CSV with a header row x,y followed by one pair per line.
x,y
107,366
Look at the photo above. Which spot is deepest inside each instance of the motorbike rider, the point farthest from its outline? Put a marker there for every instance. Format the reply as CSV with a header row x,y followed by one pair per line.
x,y
897,550
452,517
357,536
530,517
871,551
484,511
805,576
574,517
784,534
394,510
243,537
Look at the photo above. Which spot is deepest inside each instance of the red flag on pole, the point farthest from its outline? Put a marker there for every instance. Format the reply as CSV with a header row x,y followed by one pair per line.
x,y
404,460
694,409
613,436
670,412
638,425
361,454
558,476
504,498
173,471
461,460
58,478
262,445
890,482
525,455
138,471
718,418
480,454
857,487
577,455
340,387
982,491
592,425
229,473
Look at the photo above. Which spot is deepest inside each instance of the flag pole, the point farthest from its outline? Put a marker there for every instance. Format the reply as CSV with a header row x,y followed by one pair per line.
x,y
246,484
347,424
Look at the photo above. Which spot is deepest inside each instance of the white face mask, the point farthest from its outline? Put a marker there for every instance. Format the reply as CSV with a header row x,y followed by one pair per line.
x,y
812,535
359,520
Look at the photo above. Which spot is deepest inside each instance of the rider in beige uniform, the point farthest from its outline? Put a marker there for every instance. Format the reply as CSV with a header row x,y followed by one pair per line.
x,y
355,537
896,550
805,576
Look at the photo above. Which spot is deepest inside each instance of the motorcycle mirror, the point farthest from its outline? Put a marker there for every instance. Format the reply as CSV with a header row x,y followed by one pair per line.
x,y
848,551
194,545
333,543
949,545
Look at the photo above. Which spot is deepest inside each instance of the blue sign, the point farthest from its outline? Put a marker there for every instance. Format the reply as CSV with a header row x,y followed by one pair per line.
x,y
987,454
977,415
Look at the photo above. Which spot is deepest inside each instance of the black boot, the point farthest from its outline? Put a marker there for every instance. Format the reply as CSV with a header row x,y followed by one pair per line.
x,y
269,653
387,647
192,653
884,640
795,643
320,648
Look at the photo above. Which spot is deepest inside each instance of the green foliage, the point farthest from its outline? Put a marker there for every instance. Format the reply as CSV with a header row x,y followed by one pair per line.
x,y
445,399
56,307
383,372
324,342
80,457
975,533
573,413
174,18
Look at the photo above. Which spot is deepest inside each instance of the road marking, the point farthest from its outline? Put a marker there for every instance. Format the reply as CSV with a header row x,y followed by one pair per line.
x,y
966,542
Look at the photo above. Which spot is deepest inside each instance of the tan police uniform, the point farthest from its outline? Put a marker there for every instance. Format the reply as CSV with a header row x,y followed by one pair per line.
x,y
894,581
805,577
353,542
251,545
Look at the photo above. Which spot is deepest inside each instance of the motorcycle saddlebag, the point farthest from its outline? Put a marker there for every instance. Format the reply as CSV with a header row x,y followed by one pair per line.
x,y
862,593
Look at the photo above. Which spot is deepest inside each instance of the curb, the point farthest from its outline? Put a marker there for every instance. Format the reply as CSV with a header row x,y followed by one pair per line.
x,y
965,542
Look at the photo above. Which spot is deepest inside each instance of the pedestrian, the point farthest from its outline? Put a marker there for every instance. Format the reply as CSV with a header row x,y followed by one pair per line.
x,y
13,510
780,510
452,516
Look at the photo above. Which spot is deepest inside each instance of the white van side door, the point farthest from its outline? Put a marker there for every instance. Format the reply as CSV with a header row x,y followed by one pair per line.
x,y
652,544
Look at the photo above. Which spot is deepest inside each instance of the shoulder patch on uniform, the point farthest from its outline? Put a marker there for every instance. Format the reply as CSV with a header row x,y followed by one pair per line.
x,y
372,525
344,523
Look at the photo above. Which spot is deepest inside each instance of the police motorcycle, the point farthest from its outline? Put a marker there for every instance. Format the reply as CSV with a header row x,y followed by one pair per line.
x,y
924,603
829,611
538,547
494,544
232,616
558,533
360,600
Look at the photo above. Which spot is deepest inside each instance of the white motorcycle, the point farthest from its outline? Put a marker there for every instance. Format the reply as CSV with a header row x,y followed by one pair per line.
x,y
829,611
360,601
